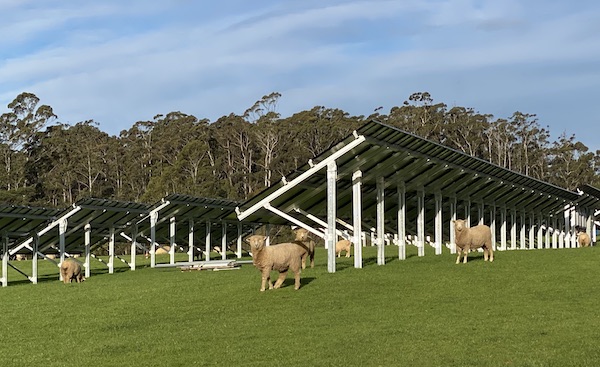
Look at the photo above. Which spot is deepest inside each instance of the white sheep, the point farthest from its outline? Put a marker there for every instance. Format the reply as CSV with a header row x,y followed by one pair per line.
x,y
280,257
71,269
306,247
583,239
472,238
343,245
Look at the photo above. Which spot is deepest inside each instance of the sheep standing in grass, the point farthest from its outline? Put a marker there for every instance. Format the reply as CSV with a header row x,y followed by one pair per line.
x,y
71,269
306,247
583,239
281,257
343,245
472,238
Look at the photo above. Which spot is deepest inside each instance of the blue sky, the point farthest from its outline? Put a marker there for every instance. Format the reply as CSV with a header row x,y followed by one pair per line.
x,y
118,62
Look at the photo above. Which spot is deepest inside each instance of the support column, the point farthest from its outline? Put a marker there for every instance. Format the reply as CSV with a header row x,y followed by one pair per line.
x,y
357,218
531,231
88,244
401,220
111,250
238,252
513,229
503,228
380,221
330,234
34,259
452,219
540,238
172,234
523,234
468,211
153,220
421,221
207,241
223,241
481,212
62,229
191,247
438,223
493,224
554,232
4,260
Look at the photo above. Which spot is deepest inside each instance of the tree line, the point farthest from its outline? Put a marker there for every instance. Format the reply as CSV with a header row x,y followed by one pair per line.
x,y
52,164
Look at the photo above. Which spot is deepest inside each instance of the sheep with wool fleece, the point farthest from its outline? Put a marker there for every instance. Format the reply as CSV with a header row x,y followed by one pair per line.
x,y
472,238
281,257
583,239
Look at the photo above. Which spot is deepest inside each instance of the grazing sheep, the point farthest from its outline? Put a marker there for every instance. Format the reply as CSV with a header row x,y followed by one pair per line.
x,y
306,247
71,269
343,245
472,238
280,257
583,239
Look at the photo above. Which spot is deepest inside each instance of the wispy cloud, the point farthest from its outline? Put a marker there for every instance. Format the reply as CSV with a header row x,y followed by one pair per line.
x,y
119,62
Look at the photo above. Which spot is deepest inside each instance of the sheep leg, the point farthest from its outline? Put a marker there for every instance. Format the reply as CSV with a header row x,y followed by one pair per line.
x,y
297,279
266,277
485,254
280,279
304,260
347,253
458,251
466,251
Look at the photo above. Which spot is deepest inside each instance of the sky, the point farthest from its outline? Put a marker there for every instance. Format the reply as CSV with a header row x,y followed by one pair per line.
x,y
117,62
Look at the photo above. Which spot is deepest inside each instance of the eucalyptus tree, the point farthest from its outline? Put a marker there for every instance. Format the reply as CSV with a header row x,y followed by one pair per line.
x,y
18,128
464,130
268,133
531,145
420,116
570,164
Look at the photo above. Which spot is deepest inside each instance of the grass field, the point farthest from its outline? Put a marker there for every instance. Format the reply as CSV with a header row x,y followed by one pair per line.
x,y
527,308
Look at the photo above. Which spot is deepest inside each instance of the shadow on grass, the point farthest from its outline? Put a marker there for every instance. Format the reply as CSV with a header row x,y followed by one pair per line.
x,y
290,282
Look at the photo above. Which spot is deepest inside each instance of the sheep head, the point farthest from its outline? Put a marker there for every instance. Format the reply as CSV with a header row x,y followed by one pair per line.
x,y
257,242
301,234
459,225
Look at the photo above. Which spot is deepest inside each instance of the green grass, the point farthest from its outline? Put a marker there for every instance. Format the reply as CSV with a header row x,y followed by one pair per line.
x,y
527,308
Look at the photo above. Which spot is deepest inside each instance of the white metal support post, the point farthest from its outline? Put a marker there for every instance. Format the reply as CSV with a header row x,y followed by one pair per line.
x,y
401,220
172,235
421,221
513,229
191,248
207,241
4,260
357,217
468,212
438,223
331,214
451,226
554,232
493,224
481,212
223,240
134,245
111,250
153,220
540,238
34,258
62,229
503,228
87,239
531,231
238,252
380,220
523,232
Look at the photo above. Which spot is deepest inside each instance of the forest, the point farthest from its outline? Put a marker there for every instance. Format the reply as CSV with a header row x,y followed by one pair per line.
x,y
47,163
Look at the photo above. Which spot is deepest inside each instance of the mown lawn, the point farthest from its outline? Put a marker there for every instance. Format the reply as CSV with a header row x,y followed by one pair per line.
x,y
527,308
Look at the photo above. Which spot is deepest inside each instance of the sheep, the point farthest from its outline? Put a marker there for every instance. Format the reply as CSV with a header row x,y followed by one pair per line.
x,y
306,247
583,239
71,269
280,257
343,245
471,238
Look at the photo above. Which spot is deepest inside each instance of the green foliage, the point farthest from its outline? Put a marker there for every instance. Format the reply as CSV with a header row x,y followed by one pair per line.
x,y
527,308
237,156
